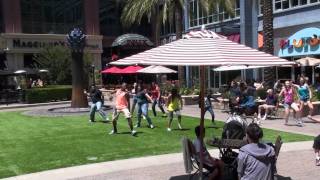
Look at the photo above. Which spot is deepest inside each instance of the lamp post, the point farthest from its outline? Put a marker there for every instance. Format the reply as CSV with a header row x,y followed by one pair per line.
x,y
93,75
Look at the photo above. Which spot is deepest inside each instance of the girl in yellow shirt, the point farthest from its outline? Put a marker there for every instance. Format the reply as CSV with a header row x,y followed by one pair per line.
x,y
174,104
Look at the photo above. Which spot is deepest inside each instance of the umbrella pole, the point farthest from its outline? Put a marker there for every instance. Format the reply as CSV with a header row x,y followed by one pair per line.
x,y
202,94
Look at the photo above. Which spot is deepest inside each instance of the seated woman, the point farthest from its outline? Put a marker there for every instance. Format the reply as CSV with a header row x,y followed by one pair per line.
x,y
246,100
256,160
271,104
213,165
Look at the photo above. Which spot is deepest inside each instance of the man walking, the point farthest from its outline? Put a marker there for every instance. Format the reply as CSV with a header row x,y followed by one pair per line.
x,y
97,102
122,105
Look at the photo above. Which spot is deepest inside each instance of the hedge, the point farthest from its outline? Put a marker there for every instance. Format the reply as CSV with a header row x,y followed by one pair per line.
x,y
48,94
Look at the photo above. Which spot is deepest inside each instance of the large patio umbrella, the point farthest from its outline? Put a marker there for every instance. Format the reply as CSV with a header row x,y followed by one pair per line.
x,y
131,69
157,70
309,61
233,68
112,70
204,48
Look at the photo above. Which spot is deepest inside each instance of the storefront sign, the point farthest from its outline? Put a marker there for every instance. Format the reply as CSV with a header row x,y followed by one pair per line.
x,y
302,43
18,43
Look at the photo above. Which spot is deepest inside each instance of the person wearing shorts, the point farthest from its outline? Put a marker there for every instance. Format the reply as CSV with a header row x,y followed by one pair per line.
x,y
305,95
122,106
271,103
174,105
316,148
288,93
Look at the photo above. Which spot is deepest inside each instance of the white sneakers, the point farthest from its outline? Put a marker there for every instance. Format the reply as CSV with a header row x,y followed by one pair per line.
x,y
169,129
151,126
133,132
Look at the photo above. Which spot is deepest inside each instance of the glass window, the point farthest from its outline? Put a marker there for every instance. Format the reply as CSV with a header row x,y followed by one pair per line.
x,y
314,1
51,16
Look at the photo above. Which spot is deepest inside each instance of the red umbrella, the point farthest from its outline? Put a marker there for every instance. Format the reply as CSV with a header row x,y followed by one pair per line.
x,y
131,69
112,70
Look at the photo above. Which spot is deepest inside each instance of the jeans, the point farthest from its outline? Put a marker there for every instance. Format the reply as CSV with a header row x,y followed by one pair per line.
x,y
143,110
210,111
97,107
135,100
154,103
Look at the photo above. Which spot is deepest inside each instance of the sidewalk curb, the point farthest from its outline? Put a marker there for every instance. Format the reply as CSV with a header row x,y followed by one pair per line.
x,y
19,106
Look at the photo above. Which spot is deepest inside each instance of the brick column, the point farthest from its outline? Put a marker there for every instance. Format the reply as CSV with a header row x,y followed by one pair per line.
x,y
91,17
12,16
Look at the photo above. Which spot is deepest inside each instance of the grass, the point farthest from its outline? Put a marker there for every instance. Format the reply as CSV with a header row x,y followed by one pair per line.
x,y
32,144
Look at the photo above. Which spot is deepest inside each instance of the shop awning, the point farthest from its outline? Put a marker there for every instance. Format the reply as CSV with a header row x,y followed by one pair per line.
x,y
112,70
132,40
157,70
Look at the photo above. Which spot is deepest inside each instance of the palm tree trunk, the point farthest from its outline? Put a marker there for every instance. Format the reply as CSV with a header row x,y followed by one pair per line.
x,y
178,26
156,26
79,99
269,73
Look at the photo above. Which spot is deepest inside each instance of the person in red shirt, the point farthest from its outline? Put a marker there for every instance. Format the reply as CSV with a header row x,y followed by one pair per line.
x,y
122,106
156,99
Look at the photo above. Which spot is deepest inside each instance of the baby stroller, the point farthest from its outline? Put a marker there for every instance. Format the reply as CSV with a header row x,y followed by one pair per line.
x,y
233,133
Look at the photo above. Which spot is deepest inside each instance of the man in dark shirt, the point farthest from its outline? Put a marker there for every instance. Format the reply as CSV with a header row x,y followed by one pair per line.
x,y
97,102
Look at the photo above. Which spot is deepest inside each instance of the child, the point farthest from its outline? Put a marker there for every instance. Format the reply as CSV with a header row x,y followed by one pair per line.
x,y
174,104
316,147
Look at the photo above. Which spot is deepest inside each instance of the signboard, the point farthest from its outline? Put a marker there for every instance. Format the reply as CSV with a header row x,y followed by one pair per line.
x,y
302,43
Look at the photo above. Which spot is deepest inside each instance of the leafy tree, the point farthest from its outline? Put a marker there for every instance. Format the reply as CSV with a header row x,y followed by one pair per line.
x,y
163,11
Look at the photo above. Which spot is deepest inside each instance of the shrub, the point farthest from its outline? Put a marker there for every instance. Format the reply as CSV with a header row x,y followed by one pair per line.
x,y
51,93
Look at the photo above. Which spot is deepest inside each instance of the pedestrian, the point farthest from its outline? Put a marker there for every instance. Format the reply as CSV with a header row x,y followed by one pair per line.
x,y
134,92
143,100
288,93
305,96
174,105
122,106
97,102
256,160
208,105
316,147
271,104
156,99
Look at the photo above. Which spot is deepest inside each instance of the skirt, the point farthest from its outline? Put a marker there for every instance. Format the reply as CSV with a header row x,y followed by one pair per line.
x,y
316,142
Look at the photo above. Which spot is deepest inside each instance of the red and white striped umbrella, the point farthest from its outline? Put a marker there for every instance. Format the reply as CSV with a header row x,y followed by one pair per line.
x,y
201,48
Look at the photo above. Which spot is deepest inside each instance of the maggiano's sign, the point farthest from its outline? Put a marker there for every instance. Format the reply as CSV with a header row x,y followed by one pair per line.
x,y
304,42
18,43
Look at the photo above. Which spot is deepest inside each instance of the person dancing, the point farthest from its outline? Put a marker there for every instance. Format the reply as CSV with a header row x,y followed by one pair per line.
x,y
156,99
174,105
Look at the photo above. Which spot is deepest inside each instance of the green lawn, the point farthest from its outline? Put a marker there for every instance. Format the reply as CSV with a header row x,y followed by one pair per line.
x,y
31,144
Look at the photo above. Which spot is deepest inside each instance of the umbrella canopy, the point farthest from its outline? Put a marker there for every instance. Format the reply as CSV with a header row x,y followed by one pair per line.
x,y
203,48
131,69
156,70
112,70
233,68
132,39
308,61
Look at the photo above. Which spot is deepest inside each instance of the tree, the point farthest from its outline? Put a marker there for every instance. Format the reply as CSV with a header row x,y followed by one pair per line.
x,y
76,41
268,39
165,10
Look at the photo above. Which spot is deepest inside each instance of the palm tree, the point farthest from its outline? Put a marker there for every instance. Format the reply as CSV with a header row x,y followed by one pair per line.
x,y
166,10
268,38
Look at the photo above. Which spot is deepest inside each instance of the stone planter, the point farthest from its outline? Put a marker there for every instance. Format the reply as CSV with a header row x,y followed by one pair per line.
x,y
190,99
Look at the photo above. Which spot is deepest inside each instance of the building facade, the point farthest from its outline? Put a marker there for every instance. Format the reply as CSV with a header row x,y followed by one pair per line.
x,y
290,16
28,26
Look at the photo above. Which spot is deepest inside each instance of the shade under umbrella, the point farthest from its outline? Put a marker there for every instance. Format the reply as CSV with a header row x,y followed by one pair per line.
x,y
233,68
308,61
157,70
112,70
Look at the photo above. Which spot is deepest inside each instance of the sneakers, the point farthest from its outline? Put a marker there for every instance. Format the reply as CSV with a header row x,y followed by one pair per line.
x,y
107,118
318,161
169,129
91,121
137,126
151,126
112,132
133,132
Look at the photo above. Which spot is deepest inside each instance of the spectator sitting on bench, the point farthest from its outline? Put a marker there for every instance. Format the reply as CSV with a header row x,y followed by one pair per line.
x,y
271,104
213,165
256,160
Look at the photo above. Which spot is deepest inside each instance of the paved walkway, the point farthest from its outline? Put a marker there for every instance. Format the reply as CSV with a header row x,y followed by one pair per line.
x,y
296,160
170,166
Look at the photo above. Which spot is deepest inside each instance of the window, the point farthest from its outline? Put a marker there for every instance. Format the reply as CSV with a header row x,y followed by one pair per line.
x,y
51,16
200,17
286,4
